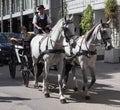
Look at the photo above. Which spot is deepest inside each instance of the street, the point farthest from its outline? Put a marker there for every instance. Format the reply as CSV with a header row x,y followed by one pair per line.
x,y
105,94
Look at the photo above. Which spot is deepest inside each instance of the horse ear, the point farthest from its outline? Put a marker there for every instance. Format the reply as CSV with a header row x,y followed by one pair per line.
x,y
65,18
101,21
71,17
108,22
103,24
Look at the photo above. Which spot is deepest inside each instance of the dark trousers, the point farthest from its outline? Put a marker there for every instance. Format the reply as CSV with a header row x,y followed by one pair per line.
x,y
37,31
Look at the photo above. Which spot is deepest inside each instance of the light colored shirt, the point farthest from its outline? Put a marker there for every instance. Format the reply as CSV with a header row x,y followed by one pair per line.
x,y
41,17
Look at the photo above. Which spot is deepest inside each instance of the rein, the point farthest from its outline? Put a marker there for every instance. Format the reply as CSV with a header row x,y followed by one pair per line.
x,y
89,52
47,51
55,42
86,52
55,51
67,35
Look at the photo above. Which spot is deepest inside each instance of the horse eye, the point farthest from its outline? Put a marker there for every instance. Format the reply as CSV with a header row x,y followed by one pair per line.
x,y
75,29
103,31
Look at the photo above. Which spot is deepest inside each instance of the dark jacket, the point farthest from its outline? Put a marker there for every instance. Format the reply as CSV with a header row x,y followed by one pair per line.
x,y
42,23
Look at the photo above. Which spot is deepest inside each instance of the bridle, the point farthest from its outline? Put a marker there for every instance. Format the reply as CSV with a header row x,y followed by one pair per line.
x,y
102,32
67,32
88,51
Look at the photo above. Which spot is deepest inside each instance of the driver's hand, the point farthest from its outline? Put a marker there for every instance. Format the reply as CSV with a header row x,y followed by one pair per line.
x,y
40,28
47,26
14,39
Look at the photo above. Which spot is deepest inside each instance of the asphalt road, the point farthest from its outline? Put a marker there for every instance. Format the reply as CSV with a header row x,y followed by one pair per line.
x,y
105,94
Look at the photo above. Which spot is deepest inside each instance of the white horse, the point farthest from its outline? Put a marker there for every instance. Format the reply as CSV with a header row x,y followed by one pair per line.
x,y
84,54
49,50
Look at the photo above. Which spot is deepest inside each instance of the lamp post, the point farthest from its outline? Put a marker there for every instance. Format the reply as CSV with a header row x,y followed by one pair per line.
x,y
21,13
62,9
10,7
1,15
50,8
34,6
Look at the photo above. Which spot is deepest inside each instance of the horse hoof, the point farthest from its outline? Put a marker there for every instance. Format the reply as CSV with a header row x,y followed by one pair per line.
x,y
35,85
87,97
63,101
75,89
47,95
65,87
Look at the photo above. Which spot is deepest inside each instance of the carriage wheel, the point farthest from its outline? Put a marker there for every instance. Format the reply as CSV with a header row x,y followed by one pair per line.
x,y
12,69
12,65
25,75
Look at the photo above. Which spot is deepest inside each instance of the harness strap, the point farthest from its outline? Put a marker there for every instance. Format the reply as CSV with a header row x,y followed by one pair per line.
x,y
42,41
86,53
56,51
81,52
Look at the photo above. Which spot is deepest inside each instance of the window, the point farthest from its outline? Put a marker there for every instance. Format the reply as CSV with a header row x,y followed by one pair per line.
x,y
17,5
39,2
27,4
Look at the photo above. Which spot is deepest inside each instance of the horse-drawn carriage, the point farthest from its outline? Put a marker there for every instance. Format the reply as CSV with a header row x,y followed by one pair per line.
x,y
52,49
20,55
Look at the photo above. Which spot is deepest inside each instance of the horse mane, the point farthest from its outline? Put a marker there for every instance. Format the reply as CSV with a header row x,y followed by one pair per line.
x,y
57,24
56,27
89,33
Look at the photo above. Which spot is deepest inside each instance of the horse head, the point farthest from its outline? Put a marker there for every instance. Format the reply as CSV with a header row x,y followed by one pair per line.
x,y
104,30
64,29
68,28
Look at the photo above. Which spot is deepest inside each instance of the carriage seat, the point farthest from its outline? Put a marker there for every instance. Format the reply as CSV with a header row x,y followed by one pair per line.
x,y
26,42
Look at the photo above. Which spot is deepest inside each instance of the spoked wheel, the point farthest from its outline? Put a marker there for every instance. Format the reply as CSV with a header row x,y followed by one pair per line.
x,y
25,75
12,68
12,65
25,70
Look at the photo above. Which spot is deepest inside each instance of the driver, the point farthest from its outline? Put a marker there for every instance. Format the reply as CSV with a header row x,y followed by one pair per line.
x,y
41,21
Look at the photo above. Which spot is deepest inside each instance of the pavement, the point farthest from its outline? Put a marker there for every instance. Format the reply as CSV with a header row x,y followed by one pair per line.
x,y
105,94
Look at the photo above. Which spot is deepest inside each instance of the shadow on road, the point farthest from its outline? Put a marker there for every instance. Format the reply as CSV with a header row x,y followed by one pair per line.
x,y
99,95
10,99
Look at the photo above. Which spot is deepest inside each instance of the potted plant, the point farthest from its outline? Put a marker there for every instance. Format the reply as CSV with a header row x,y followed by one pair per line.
x,y
111,12
86,22
111,8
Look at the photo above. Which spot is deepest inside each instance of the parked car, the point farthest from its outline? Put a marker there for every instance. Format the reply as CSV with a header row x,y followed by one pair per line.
x,y
5,47
15,35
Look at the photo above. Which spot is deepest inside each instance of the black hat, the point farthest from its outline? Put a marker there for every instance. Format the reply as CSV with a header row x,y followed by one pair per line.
x,y
41,7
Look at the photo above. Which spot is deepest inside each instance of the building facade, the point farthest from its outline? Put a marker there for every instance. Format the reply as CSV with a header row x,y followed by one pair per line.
x,y
16,13
76,7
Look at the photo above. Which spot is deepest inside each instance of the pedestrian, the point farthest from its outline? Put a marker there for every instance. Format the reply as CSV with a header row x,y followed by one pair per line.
x,y
41,21
24,35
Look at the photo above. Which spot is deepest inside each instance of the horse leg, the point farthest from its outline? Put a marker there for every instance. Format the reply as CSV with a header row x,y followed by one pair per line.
x,y
67,69
35,71
45,80
75,86
40,69
60,83
85,81
92,72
